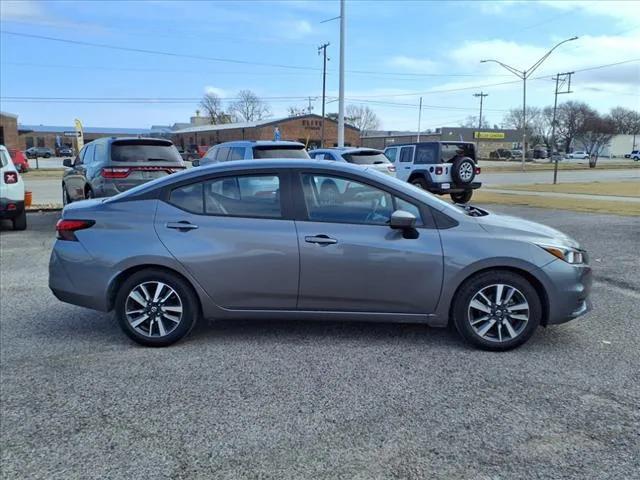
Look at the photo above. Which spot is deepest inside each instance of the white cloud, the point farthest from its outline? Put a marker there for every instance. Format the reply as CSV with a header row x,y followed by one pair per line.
x,y
11,10
624,11
216,91
412,64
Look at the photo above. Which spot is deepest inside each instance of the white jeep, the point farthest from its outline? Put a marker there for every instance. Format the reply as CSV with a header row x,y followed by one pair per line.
x,y
438,167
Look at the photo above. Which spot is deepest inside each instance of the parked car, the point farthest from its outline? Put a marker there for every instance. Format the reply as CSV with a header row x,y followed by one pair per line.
x,y
367,157
635,155
249,150
65,152
581,154
516,154
438,167
500,154
35,152
108,166
19,160
11,192
261,240
540,152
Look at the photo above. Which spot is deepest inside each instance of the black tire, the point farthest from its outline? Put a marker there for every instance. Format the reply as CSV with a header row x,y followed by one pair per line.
x,y
88,193
187,300
20,222
461,197
47,155
462,311
65,195
463,171
419,182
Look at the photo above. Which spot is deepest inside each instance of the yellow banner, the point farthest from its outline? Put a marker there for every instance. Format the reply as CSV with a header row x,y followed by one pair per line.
x,y
489,135
80,134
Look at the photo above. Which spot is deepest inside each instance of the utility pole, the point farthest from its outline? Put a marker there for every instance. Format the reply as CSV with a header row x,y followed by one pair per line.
x,y
323,47
524,74
481,95
562,79
341,87
419,119
310,107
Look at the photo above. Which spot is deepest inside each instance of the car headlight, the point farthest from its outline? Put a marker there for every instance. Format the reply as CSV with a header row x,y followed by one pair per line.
x,y
568,254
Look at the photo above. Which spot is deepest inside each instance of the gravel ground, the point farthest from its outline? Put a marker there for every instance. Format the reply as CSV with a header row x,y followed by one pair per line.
x,y
320,400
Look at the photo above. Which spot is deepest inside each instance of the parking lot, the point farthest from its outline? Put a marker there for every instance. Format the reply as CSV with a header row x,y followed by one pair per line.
x,y
320,400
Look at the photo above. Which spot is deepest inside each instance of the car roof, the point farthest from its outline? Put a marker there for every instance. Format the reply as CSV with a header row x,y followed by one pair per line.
x,y
345,150
252,143
428,143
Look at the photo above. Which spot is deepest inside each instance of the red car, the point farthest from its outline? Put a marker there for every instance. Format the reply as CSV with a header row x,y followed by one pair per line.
x,y
19,160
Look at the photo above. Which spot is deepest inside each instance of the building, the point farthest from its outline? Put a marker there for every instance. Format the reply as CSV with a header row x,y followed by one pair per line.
x,y
305,129
9,130
488,140
620,145
56,136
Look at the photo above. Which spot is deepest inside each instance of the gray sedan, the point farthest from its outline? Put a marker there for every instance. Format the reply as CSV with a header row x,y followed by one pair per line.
x,y
247,240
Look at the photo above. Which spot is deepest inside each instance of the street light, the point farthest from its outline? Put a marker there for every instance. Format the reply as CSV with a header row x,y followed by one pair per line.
x,y
524,74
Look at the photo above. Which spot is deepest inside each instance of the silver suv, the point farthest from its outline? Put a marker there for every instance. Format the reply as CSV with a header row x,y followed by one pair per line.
x,y
250,150
438,167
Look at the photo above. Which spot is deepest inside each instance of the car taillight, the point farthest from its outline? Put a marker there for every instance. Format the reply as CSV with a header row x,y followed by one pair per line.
x,y
66,228
10,177
438,170
478,170
113,172
391,168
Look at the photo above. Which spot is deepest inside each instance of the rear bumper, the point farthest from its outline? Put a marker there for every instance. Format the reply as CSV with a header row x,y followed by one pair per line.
x,y
441,188
10,209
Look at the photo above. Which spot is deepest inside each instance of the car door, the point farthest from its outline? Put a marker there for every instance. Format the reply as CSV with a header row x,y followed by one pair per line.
x,y
74,178
235,236
404,165
351,260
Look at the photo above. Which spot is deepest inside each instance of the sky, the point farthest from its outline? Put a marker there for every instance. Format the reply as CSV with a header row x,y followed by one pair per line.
x,y
395,53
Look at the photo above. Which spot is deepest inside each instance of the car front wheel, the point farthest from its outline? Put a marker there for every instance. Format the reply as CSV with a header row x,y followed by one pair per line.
x,y
462,197
497,310
156,308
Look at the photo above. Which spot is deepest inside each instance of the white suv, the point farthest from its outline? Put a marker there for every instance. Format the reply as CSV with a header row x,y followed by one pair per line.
x,y
11,192
438,167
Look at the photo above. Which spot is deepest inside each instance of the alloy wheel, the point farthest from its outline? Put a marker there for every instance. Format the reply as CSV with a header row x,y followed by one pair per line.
x,y
498,313
153,309
466,171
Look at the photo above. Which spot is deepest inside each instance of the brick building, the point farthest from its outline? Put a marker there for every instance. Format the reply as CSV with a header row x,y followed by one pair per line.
x,y
305,129
9,130
49,135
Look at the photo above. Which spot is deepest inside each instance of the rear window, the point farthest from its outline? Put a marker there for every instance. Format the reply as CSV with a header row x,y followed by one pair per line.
x,y
365,158
280,152
136,151
4,158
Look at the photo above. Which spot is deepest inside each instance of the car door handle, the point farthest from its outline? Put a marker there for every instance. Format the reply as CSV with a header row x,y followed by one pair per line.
x,y
407,168
321,240
184,226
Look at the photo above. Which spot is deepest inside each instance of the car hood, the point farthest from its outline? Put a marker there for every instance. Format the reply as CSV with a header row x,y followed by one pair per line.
x,y
506,225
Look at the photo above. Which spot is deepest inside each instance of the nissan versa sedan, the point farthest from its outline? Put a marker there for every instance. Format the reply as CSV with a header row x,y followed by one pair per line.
x,y
248,240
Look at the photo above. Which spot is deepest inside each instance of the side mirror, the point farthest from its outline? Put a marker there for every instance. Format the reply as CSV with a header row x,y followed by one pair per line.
x,y
67,162
195,162
402,220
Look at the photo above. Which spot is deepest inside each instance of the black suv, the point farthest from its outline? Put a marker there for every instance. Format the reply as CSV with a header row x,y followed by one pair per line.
x,y
438,167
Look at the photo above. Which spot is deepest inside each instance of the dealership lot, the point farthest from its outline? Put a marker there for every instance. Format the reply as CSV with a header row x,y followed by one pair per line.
x,y
308,400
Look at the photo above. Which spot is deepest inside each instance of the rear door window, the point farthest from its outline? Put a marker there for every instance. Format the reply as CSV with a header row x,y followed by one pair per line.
x,y
137,151
365,158
426,154
237,153
188,198
279,152
406,154
244,196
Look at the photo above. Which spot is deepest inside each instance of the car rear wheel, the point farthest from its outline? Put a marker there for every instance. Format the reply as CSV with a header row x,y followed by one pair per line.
x,y
156,308
462,197
420,183
497,310
20,222
463,170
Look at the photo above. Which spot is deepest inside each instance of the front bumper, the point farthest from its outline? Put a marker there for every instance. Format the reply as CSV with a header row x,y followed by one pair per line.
x,y
10,209
568,291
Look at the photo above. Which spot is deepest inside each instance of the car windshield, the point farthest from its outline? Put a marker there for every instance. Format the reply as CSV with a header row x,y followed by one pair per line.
x,y
145,151
365,157
280,152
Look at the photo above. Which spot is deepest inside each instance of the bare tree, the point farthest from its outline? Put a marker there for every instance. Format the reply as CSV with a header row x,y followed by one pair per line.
x,y
249,107
625,120
513,119
472,122
212,106
296,111
595,133
570,118
362,117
